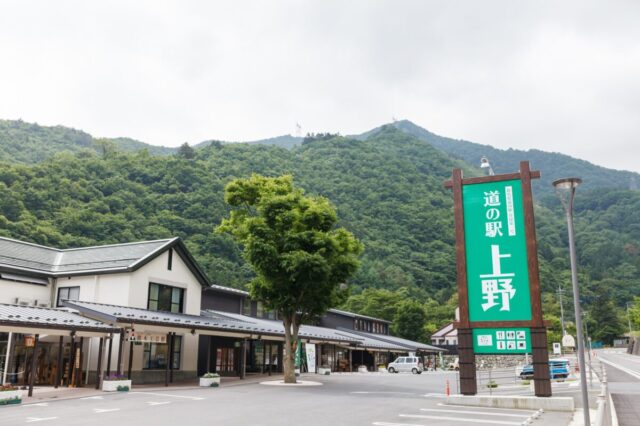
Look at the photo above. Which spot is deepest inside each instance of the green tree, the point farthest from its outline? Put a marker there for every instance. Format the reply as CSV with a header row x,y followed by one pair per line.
x,y
410,320
634,313
301,259
605,324
186,151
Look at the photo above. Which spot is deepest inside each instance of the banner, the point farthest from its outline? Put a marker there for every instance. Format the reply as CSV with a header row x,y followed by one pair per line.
x,y
310,349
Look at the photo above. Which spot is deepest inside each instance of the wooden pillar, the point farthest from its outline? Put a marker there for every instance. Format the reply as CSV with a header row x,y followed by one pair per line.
x,y
541,376
72,360
350,359
109,354
166,370
79,363
32,376
7,359
173,337
59,369
120,348
131,342
99,368
208,354
467,362
264,356
243,359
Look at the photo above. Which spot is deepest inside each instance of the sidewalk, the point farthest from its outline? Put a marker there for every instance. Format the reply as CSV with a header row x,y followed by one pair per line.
x,y
42,394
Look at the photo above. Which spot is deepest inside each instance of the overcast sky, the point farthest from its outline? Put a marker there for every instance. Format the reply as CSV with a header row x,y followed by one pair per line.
x,y
558,76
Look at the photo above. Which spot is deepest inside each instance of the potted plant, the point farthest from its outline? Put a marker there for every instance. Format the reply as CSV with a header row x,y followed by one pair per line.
x,y
210,380
382,368
10,395
116,383
324,370
362,369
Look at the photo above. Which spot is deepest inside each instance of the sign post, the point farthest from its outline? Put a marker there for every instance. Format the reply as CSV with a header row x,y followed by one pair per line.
x,y
497,270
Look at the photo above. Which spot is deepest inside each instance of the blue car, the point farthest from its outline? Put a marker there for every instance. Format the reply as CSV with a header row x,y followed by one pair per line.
x,y
558,369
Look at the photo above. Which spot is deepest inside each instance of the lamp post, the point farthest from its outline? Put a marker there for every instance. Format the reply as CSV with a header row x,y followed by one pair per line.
x,y
629,320
566,189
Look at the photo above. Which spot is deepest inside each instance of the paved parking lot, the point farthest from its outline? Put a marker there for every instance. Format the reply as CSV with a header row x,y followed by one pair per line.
x,y
343,399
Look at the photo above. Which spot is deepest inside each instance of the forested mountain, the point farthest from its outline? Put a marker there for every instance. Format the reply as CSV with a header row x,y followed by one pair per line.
x,y
30,143
387,189
551,165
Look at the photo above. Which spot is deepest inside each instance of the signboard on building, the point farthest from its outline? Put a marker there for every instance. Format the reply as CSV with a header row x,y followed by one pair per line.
x,y
557,350
134,336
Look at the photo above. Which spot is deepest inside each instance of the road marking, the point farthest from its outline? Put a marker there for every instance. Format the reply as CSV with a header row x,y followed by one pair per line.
x,y
392,393
484,413
460,419
152,403
394,424
195,398
37,404
621,368
435,395
91,397
466,407
39,419
104,410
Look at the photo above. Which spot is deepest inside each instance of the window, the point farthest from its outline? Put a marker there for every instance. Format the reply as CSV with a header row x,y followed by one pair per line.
x,y
67,293
165,298
170,260
260,310
156,355
246,307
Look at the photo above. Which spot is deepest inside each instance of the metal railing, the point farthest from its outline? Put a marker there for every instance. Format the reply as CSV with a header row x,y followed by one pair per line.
x,y
605,411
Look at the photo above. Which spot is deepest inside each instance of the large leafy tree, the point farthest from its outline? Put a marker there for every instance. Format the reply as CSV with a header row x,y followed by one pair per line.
x,y
409,321
300,258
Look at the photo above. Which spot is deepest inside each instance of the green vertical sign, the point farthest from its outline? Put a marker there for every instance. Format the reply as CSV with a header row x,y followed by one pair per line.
x,y
496,252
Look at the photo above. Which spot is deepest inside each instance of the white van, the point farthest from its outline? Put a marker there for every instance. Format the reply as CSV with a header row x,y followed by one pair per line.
x,y
407,364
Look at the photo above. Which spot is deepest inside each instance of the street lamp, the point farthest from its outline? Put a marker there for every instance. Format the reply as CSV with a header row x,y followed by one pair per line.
x,y
629,320
566,189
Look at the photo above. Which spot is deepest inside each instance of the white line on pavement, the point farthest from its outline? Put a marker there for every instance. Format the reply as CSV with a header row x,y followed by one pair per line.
x,y
39,419
195,398
104,410
152,403
91,397
394,424
483,413
37,404
621,368
391,393
466,407
459,419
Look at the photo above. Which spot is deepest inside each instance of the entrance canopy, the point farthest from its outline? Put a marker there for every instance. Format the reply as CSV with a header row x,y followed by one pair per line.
x,y
50,321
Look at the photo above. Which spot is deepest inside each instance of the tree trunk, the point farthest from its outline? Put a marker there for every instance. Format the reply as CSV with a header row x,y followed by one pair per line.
x,y
290,347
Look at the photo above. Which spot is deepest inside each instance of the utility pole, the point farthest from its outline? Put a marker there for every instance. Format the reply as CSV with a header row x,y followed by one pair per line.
x,y
629,320
560,293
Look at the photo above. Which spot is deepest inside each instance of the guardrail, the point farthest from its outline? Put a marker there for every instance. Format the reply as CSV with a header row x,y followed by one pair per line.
x,y
606,411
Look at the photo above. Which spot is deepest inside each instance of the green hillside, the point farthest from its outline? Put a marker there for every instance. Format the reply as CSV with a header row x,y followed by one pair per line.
x,y
387,189
551,165
30,143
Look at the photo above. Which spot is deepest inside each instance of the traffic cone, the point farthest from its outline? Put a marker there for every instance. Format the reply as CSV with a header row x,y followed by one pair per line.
x,y
447,389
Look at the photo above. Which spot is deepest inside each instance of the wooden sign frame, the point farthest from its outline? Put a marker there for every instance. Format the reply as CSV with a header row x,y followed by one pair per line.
x,y
468,381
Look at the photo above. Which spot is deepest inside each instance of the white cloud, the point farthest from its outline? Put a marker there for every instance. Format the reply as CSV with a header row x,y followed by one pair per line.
x,y
557,76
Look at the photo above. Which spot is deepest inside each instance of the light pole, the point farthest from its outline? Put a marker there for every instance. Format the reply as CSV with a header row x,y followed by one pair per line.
x,y
629,320
566,189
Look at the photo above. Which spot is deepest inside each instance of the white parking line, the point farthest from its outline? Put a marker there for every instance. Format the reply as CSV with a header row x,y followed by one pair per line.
x,y
386,393
91,397
394,424
104,410
466,407
459,419
483,413
195,398
37,404
39,419
152,403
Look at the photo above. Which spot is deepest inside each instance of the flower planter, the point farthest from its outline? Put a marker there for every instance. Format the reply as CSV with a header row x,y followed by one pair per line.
x,y
116,385
382,369
362,369
10,397
324,371
209,382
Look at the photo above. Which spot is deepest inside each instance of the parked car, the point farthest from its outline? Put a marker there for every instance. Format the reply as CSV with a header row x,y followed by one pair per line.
x,y
407,364
454,365
558,369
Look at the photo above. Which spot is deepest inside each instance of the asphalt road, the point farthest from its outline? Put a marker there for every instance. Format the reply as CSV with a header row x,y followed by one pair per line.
x,y
623,375
380,399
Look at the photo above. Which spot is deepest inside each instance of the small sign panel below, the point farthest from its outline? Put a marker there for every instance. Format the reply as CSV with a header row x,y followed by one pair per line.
x,y
501,341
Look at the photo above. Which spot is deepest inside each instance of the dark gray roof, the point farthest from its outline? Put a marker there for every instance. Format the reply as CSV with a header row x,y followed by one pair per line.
x,y
305,331
52,262
367,342
214,287
409,344
353,315
49,318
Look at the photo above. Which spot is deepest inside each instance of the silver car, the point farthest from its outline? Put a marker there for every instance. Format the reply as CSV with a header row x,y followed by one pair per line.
x,y
407,364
